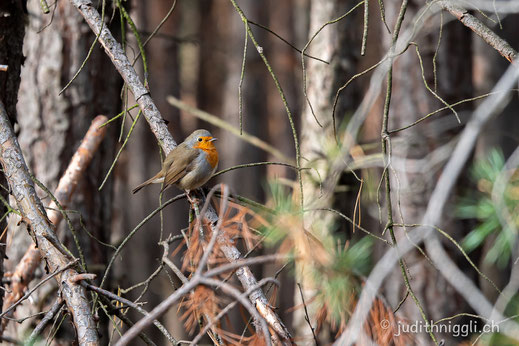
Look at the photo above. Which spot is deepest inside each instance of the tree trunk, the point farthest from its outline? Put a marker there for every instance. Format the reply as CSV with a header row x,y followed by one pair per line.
x,y
339,44
12,31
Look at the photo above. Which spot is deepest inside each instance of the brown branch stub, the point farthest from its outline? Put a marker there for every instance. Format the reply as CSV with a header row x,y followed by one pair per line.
x,y
74,280
480,29
77,166
31,208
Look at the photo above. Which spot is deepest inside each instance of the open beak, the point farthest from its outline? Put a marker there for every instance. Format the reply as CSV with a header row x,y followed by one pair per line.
x,y
213,139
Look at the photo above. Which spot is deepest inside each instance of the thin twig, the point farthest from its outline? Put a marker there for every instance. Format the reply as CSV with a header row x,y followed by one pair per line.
x,y
132,233
58,304
38,285
306,315
386,150
217,121
131,304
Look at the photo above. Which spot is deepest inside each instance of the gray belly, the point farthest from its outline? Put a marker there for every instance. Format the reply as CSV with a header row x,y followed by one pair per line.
x,y
197,177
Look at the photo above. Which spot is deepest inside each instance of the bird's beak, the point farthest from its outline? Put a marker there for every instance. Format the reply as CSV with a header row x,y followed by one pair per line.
x,y
213,139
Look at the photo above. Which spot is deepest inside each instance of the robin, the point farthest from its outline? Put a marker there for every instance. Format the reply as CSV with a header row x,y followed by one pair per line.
x,y
190,165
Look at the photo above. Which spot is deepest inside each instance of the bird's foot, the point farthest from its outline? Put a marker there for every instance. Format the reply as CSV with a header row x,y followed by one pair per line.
x,y
192,199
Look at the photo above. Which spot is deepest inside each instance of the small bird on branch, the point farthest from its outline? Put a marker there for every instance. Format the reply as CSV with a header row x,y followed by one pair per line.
x,y
190,165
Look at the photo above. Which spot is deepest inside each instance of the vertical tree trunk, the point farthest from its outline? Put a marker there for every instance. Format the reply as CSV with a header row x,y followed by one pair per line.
x,y
339,44
12,31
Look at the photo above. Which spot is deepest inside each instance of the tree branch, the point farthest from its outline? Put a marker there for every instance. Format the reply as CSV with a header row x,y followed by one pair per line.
x,y
480,29
433,216
24,271
40,227
123,65
132,305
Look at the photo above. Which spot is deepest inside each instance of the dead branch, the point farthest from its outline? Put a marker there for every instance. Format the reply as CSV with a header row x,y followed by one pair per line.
x,y
28,294
480,29
117,312
40,228
121,62
24,271
197,279
131,304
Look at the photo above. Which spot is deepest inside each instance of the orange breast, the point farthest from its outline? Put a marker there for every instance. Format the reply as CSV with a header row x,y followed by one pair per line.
x,y
212,156
210,150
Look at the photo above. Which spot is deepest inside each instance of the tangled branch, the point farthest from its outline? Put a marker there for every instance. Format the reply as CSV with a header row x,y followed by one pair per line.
x,y
42,231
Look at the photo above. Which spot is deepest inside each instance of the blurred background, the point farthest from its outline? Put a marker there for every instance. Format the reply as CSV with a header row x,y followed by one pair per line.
x,y
197,56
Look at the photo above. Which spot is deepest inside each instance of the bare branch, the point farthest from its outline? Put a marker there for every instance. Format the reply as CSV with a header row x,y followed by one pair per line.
x,y
24,271
121,62
433,215
480,29
132,305
35,216
31,291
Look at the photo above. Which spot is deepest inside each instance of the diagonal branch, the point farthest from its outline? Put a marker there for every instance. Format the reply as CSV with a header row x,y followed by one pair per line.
x,y
483,31
121,62
433,216
123,65
24,271
41,229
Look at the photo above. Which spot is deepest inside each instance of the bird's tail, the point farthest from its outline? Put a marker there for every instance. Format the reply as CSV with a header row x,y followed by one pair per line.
x,y
154,180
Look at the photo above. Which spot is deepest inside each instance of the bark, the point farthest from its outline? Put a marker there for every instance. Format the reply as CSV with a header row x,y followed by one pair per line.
x,y
339,45
24,272
12,31
472,22
41,229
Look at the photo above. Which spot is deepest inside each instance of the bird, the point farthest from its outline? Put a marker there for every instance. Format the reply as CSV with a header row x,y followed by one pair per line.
x,y
189,165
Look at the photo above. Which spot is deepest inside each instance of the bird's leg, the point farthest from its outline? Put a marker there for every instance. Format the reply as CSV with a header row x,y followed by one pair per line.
x,y
194,204
189,197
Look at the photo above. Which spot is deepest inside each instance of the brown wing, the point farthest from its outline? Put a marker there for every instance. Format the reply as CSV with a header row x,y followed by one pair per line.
x,y
179,161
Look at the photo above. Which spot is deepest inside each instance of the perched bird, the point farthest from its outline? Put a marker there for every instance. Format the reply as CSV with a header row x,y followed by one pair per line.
x,y
190,165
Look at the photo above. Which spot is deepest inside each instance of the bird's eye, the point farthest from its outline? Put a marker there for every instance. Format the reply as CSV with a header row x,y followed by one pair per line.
x,y
199,139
